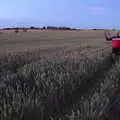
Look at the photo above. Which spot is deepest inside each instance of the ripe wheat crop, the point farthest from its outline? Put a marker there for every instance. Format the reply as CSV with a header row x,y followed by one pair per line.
x,y
47,88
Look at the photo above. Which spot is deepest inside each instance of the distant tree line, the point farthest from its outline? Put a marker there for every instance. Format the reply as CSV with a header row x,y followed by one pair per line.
x,y
46,28
43,28
53,28
59,28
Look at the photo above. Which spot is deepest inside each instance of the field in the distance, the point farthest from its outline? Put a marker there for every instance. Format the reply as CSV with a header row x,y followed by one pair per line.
x,y
75,80
48,40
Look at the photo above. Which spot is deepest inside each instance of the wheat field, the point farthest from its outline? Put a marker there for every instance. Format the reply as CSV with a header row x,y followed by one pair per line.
x,y
57,75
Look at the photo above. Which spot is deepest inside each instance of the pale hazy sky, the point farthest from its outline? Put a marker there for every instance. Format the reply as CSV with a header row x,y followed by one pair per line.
x,y
72,13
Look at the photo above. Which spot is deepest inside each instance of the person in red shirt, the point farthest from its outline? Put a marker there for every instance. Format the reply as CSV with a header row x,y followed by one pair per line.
x,y
115,42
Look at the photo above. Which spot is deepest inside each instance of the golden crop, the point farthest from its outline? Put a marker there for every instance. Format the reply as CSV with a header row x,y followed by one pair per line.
x,y
68,85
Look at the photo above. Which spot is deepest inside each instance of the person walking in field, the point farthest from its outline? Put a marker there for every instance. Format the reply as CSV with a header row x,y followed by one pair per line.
x,y
114,113
115,42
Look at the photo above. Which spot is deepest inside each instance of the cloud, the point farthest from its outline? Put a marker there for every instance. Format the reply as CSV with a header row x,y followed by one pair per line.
x,y
97,10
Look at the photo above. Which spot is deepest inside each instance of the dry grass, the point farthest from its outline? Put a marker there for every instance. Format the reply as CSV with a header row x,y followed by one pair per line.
x,y
73,81
12,42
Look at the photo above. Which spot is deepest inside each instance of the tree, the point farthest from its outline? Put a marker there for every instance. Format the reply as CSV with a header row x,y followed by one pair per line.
x,y
16,30
32,27
24,29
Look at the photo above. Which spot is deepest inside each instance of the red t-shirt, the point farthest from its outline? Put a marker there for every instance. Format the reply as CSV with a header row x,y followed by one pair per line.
x,y
116,42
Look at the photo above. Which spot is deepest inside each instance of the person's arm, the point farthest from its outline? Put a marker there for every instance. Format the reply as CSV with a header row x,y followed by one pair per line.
x,y
107,36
